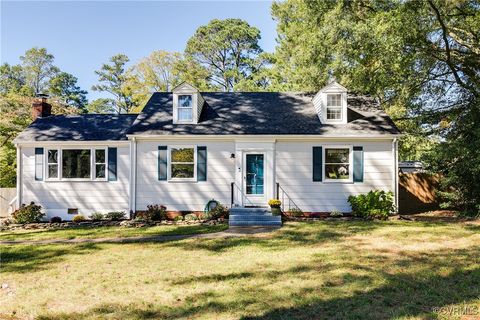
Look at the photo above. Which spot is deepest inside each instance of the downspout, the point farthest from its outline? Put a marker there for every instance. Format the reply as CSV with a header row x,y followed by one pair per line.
x,y
19,177
133,180
395,171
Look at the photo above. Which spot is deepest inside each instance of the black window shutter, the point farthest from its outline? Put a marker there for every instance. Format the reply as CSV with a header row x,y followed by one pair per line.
x,y
317,163
357,164
162,163
201,163
38,164
112,164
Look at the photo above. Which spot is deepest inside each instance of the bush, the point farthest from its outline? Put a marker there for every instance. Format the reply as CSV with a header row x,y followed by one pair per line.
x,y
79,218
115,215
97,216
336,213
376,204
274,203
190,217
155,212
55,220
28,213
295,212
178,218
217,212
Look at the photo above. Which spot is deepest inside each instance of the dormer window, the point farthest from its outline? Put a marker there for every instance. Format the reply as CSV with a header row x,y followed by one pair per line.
x,y
185,108
334,107
187,104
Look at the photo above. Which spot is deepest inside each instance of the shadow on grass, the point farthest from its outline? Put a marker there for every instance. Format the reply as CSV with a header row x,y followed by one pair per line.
x,y
403,295
27,258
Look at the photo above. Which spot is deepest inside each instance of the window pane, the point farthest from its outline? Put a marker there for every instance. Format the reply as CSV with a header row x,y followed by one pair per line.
x,y
182,155
100,171
76,163
336,155
52,156
53,171
334,100
100,156
182,170
334,114
185,101
337,171
185,114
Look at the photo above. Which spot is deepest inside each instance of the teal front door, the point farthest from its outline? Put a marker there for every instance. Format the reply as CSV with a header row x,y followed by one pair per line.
x,y
254,178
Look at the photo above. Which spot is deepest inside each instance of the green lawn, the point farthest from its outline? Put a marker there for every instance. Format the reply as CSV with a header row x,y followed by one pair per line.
x,y
108,232
320,270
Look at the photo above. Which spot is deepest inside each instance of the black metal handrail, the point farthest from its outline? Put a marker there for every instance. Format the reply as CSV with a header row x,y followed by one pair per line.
x,y
281,194
234,186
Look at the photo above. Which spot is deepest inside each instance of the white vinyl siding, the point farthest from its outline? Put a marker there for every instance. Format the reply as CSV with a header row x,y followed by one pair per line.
x,y
294,173
184,195
89,196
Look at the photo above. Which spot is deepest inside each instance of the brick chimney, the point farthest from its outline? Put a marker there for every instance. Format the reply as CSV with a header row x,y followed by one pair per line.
x,y
40,107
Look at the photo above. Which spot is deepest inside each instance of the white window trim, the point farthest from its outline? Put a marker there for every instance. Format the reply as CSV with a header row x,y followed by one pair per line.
x,y
350,163
60,161
169,163
178,108
334,107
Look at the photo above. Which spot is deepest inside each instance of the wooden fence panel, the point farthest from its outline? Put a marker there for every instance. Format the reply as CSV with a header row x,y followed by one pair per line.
x,y
417,192
6,195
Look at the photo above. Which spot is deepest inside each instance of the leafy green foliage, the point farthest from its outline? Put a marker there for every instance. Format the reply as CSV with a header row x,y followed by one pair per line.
x,y
376,204
217,212
115,215
55,219
295,212
190,217
154,212
101,105
227,49
113,78
97,216
37,65
64,85
28,213
79,218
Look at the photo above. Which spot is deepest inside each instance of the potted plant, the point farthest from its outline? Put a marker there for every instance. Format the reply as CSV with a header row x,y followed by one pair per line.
x,y
275,206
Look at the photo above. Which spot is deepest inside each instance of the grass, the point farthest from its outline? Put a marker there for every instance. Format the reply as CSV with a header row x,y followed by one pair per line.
x,y
320,270
108,232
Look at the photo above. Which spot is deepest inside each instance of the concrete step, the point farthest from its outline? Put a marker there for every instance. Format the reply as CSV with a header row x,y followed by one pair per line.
x,y
255,223
256,217
250,211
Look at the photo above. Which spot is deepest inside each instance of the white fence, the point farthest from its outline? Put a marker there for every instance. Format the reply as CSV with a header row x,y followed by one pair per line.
x,y
7,203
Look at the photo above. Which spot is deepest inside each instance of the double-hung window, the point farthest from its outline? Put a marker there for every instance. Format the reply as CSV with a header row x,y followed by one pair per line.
x,y
52,164
185,108
334,107
337,164
100,164
182,163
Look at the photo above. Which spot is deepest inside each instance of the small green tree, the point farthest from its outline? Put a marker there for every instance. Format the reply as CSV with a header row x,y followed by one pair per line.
x,y
64,86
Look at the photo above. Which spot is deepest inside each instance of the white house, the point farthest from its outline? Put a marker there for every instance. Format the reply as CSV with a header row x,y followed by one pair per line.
x,y
187,147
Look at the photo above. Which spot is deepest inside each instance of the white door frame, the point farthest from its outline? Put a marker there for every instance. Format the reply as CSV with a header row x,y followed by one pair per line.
x,y
254,199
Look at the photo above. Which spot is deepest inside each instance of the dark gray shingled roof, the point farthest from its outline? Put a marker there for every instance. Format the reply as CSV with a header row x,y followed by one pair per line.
x,y
261,113
82,127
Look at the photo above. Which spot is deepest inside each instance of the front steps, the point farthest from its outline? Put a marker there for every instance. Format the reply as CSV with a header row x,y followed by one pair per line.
x,y
258,217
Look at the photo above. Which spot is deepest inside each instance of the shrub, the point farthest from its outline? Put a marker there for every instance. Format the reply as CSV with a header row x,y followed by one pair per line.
x,y
190,217
217,212
178,218
376,204
115,215
295,212
55,220
28,213
274,203
336,213
79,218
97,216
155,212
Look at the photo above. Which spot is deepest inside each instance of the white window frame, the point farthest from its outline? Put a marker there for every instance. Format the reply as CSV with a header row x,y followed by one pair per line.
x,y
340,107
179,107
169,163
60,164
350,163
